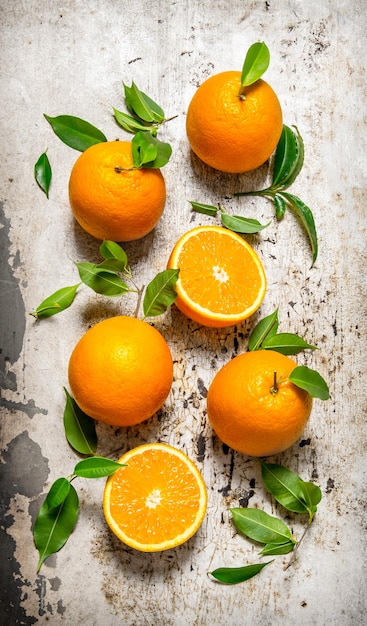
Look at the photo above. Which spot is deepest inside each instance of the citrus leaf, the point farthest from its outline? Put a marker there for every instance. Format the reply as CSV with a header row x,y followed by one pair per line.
x,y
280,206
80,429
43,173
285,486
312,496
113,266
102,281
112,250
141,105
256,63
266,328
286,343
96,467
75,132
234,575
128,123
206,209
143,149
311,381
160,293
306,217
243,225
288,159
149,152
58,492
271,549
53,526
57,302
260,526
288,179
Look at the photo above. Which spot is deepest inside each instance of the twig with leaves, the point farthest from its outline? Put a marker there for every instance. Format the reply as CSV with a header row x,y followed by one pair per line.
x,y
295,495
145,119
108,278
288,161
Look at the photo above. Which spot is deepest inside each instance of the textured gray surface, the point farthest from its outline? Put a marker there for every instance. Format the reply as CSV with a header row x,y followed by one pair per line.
x,y
71,58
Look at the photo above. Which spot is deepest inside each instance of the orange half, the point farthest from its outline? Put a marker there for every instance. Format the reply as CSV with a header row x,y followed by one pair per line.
x,y
221,281
158,501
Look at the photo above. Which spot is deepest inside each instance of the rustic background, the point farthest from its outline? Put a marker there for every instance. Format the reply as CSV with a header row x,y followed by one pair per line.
x,y
71,57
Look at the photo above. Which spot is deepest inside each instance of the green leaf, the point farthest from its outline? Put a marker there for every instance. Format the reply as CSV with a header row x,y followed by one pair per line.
x,y
143,149
75,132
160,293
102,281
312,496
57,302
128,123
289,180
256,63
53,526
112,250
280,206
80,429
43,173
286,343
260,526
271,549
288,160
113,266
149,152
311,381
243,225
206,209
58,492
266,328
96,467
141,105
285,486
234,575
307,220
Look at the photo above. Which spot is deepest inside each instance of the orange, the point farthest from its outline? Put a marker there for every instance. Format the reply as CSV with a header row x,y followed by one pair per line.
x,y
111,202
221,280
231,132
121,371
249,413
158,501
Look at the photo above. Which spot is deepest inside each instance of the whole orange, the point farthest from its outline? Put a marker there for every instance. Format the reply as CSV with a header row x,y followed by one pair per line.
x,y
121,371
234,129
254,408
112,200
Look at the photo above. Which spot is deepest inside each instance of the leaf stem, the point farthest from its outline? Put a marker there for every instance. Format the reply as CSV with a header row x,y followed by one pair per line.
x,y
295,551
119,169
140,295
270,191
274,388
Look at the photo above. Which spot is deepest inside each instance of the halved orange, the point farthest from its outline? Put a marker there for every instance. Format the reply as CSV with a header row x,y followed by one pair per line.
x,y
157,501
221,281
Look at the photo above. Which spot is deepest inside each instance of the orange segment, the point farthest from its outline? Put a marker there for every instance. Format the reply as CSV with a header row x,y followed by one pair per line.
x,y
158,501
222,281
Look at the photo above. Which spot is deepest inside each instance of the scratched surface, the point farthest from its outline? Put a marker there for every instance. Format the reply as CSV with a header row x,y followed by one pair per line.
x,y
71,58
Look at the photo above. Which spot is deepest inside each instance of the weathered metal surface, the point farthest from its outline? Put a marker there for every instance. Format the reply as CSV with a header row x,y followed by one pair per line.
x,y
71,58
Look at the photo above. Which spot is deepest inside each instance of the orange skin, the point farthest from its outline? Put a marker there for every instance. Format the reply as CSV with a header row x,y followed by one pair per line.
x,y
114,374
111,201
248,413
234,132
